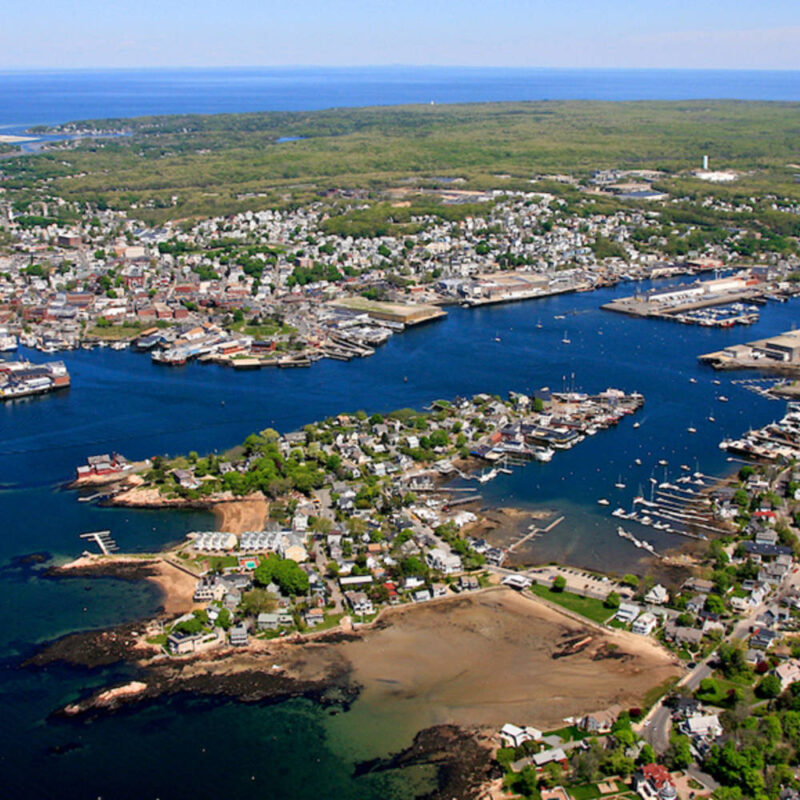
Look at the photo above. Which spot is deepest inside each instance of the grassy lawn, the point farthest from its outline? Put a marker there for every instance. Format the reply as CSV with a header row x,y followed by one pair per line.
x,y
331,621
571,733
220,562
720,697
652,696
115,332
266,330
587,791
585,606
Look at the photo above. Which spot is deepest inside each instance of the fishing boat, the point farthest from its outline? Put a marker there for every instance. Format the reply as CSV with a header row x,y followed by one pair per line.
x,y
636,424
637,461
566,339
722,398
691,429
487,476
620,483
602,502
663,462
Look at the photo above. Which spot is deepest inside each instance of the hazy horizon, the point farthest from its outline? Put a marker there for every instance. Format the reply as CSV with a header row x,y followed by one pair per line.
x,y
577,34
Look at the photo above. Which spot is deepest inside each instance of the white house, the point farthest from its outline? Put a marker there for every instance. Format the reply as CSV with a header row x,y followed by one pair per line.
x,y
658,595
704,725
441,560
788,673
645,624
359,602
739,603
548,756
514,736
627,612
214,541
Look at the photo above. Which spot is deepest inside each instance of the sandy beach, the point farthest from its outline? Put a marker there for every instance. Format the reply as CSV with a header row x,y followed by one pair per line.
x,y
176,584
476,660
233,514
7,138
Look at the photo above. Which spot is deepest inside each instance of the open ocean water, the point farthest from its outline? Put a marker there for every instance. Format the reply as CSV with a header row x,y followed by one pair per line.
x,y
190,747
50,97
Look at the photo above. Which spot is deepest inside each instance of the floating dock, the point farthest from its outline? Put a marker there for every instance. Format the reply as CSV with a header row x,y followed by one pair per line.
x,y
103,540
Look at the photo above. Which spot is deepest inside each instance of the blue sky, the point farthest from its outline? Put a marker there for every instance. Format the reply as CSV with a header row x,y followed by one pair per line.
x,y
558,33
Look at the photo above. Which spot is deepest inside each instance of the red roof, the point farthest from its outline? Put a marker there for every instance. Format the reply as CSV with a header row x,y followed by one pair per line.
x,y
657,774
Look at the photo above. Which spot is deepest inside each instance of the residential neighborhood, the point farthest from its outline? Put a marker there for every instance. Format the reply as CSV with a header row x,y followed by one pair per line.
x,y
287,287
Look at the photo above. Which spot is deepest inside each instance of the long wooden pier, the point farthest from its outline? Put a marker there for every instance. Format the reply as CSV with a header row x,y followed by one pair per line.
x,y
534,533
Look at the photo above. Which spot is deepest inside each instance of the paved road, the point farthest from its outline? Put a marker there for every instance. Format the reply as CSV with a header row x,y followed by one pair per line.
x,y
702,777
657,724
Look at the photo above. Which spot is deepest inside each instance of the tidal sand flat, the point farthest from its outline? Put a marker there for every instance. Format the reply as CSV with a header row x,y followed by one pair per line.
x,y
491,658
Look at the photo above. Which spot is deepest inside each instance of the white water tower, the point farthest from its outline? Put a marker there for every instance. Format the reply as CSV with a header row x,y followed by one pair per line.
x,y
705,163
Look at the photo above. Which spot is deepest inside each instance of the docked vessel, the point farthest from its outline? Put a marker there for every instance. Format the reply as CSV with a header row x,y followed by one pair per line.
x,y
8,342
23,379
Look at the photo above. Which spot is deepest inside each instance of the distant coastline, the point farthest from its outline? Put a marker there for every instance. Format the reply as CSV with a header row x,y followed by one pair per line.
x,y
27,97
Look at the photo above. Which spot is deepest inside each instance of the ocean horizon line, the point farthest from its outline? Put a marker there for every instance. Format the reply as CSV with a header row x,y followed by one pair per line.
x,y
12,70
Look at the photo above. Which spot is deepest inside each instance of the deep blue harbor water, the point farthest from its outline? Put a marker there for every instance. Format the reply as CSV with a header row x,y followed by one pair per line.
x,y
50,97
120,401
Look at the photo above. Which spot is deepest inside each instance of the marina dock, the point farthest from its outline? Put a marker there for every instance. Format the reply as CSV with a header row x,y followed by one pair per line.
x,y
535,532
780,353
103,540
714,303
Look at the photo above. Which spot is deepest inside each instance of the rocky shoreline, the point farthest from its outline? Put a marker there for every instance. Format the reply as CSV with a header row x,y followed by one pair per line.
x,y
246,686
461,758
130,570
463,762
335,668
93,649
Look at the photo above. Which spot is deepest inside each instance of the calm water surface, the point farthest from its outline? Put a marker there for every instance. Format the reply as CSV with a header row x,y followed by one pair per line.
x,y
51,97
